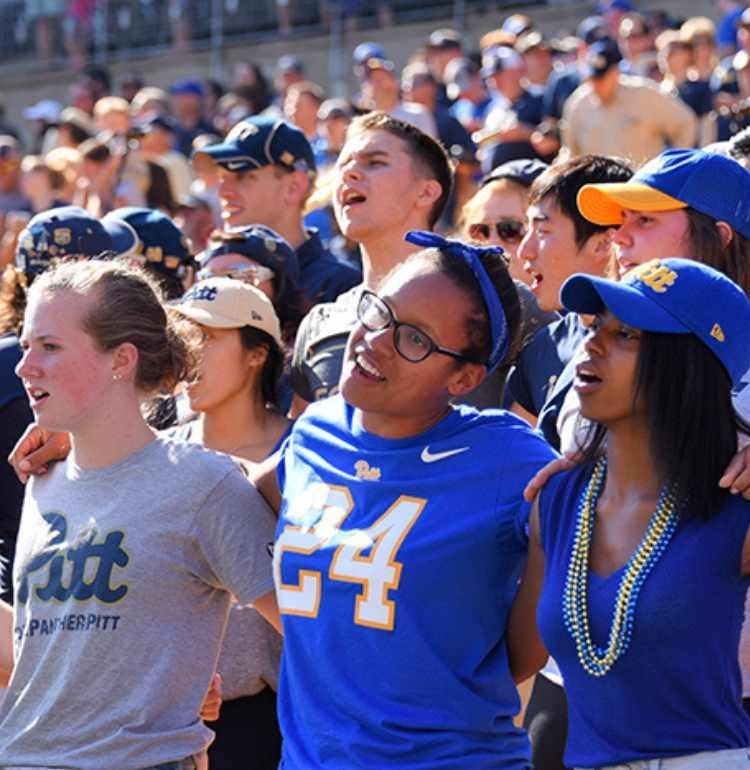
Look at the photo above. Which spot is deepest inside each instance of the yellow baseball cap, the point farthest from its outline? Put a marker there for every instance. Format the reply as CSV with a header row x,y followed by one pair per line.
x,y
226,303
603,204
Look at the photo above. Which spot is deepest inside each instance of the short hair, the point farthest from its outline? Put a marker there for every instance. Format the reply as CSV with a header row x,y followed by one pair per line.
x,y
562,181
428,155
33,163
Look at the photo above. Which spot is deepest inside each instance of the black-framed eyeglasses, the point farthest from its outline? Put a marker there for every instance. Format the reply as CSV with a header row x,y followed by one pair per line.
x,y
410,341
509,230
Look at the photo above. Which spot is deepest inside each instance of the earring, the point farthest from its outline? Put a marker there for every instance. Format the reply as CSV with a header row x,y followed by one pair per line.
x,y
115,376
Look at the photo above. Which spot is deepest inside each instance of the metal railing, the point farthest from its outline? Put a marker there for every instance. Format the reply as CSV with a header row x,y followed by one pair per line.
x,y
120,28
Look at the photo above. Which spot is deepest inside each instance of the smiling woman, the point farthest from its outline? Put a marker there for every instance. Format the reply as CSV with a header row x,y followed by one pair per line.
x,y
401,532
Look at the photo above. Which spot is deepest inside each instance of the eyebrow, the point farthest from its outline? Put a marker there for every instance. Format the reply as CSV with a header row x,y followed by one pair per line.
x,y
40,337
426,328
364,154
537,216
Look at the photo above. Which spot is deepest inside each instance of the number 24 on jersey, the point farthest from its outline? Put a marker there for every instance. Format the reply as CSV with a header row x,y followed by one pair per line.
x,y
378,572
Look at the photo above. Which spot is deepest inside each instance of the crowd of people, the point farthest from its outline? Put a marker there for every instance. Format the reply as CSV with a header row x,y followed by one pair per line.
x,y
407,431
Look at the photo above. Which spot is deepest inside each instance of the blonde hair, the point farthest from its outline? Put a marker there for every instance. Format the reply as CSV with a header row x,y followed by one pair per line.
x,y
698,26
129,308
487,190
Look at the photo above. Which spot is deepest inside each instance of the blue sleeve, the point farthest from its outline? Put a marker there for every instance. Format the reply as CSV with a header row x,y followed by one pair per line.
x,y
283,452
726,32
519,389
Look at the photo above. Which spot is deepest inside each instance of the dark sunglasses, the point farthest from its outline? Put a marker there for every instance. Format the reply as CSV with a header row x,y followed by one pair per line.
x,y
510,230
410,341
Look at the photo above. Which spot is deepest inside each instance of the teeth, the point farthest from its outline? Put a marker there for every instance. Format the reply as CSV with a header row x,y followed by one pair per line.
x,y
369,368
351,196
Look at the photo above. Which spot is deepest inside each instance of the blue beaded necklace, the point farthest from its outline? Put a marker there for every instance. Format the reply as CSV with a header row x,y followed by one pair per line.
x,y
596,660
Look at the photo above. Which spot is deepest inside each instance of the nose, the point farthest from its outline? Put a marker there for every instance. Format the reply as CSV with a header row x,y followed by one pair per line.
x,y
351,172
26,368
380,340
622,236
593,343
527,247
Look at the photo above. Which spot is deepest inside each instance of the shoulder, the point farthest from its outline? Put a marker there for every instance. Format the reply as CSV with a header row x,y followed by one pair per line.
x,y
194,463
578,99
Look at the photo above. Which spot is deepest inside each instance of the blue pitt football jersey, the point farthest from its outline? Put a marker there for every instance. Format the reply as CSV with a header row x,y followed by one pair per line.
x,y
396,562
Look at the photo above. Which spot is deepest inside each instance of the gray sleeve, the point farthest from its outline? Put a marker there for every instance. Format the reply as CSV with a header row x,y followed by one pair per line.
x,y
234,527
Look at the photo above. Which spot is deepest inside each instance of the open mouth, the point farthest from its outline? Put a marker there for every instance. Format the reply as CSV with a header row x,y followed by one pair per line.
x,y
37,396
351,198
367,369
586,379
536,278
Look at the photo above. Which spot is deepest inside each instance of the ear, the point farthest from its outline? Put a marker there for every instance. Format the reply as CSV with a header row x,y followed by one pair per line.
x,y
600,246
429,193
466,378
296,186
256,357
726,233
124,362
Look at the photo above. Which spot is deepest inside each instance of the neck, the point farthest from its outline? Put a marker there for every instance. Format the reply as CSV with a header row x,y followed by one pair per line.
x,y
631,475
381,253
397,426
117,431
234,423
385,102
43,201
291,229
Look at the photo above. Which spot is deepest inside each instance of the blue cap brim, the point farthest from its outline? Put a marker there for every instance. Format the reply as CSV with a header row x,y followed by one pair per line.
x,y
591,295
123,236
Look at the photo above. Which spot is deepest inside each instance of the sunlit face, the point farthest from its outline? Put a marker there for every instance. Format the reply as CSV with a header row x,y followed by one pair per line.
x,y
496,216
647,235
67,378
379,381
224,370
376,187
252,197
301,109
606,371
241,267
550,253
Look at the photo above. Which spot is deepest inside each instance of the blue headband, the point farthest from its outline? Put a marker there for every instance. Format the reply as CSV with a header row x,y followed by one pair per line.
x,y
472,256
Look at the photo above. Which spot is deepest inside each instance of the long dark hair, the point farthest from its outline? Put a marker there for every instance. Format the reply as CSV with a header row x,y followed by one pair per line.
x,y
270,375
687,395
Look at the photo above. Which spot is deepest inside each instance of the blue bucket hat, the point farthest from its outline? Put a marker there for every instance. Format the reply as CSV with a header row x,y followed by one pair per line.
x,y
257,142
710,183
674,296
67,232
158,240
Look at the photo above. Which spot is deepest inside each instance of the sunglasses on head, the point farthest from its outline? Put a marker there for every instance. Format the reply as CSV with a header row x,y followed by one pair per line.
x,y
510,230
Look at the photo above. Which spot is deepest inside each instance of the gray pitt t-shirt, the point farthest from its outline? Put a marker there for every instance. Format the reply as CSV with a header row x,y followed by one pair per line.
x,y
123,578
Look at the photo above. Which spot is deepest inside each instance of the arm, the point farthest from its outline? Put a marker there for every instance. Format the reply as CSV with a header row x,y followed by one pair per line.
x,y
264,477
6,643
268,608
677,120
526,652
524,414
36,449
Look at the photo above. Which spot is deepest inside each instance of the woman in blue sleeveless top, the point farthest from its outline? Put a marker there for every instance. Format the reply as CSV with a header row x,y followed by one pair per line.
x,y
401,533
645,560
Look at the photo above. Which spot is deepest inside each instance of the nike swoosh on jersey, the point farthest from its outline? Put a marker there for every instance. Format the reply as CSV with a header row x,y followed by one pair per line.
x,y
433,457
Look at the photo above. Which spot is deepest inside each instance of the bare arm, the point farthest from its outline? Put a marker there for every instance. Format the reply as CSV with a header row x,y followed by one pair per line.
x,y
736,477
6,643
268,608
263,476
526,652
36,449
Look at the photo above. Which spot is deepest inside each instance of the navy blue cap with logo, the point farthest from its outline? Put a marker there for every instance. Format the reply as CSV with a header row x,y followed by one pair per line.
x,y
601,57
158,241
258,142
67,232
261,244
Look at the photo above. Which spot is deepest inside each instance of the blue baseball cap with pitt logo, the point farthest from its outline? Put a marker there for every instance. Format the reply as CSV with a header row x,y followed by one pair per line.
x,y
257,142
675,296
707,182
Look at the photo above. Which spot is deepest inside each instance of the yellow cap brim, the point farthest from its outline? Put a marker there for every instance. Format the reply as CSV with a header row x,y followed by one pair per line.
x,y
603,204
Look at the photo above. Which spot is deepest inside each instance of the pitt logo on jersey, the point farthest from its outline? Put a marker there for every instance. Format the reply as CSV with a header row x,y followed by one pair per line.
x,y
656,276
365,472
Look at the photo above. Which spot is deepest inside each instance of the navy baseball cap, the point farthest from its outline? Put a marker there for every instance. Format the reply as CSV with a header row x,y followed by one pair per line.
x,y
601,57
290,63
67,232
591,29
261,244
706,181
523,171
257,142
673,296
158,240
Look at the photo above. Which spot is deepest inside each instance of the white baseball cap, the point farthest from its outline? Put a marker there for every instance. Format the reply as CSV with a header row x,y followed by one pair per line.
x,y
226,303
